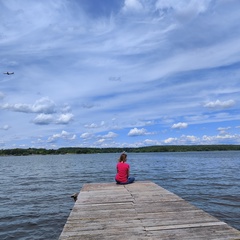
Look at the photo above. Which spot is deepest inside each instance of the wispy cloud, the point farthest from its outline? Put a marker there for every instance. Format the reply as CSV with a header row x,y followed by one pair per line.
x,y
119,73
220,104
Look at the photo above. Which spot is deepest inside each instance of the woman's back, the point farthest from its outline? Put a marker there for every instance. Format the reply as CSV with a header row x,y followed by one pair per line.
x,y
122,172
123,169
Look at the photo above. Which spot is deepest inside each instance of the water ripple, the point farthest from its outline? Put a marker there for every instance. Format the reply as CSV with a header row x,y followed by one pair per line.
x,y
35,190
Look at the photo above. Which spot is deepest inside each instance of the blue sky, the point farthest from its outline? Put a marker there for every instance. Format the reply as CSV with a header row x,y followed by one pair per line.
x,y
119,73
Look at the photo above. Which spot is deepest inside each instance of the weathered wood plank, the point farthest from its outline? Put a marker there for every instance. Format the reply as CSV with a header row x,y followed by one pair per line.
x,y
142,210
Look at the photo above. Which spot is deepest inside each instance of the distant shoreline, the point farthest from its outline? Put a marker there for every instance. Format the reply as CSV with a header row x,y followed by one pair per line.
x,y
77,150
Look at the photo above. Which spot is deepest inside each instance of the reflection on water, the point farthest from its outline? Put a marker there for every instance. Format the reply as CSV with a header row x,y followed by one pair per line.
x,y
35,190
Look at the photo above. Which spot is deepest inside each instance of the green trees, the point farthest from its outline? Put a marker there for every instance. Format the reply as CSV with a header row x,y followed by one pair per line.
x,y
76,150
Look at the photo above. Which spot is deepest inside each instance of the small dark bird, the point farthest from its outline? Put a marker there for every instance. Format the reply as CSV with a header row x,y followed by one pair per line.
x,y
9,73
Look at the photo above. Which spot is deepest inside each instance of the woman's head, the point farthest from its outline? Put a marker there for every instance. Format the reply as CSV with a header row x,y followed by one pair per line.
x,y
123,157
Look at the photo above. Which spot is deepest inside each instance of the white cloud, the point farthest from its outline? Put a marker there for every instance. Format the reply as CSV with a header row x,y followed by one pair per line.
x,y
86,135
149,123
179,125
100,141
183,140
170,140
218,139
110,135
63,135
223,130
43,119
228,136
65,118
43,105
92,125
220,104
137,132
189,139
95,125
106,138
150,142
74,136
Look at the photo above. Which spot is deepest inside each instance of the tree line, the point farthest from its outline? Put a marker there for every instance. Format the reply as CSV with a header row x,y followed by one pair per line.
x,y
77,150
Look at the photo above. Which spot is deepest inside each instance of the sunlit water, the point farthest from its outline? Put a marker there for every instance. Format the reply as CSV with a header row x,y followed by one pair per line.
x,y
35,190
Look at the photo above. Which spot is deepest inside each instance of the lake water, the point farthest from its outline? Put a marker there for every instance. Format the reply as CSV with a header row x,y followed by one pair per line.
x,y
35,190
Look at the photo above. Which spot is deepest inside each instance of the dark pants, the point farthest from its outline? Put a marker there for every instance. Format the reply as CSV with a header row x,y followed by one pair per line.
x,y
130,180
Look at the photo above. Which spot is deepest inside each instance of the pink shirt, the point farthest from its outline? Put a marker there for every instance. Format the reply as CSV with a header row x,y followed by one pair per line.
x,y
122,172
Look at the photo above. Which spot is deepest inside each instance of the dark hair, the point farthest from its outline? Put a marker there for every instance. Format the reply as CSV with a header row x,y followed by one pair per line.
x,y
123,157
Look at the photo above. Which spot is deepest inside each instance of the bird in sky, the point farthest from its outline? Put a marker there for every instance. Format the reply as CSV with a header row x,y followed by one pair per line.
x,y
8,73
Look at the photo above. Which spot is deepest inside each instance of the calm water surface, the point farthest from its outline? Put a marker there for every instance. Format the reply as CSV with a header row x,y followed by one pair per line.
x,y
35,190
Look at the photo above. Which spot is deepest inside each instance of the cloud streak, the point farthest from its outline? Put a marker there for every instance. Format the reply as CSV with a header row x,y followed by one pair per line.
x,y
218,104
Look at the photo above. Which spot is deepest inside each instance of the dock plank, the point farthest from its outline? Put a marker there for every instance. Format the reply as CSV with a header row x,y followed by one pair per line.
x,y
143,211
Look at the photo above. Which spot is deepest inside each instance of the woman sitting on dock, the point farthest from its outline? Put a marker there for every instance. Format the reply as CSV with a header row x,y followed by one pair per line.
x,y
122,176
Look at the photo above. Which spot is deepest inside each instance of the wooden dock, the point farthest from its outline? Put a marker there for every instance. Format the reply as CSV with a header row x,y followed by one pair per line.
x,y
140,211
